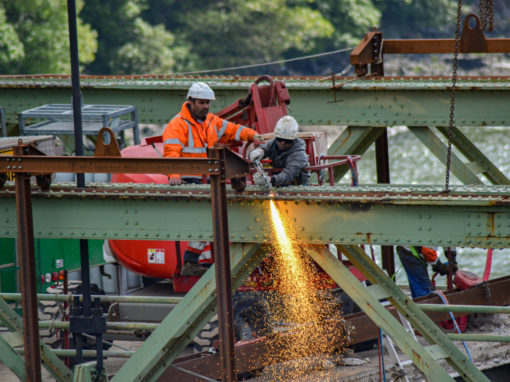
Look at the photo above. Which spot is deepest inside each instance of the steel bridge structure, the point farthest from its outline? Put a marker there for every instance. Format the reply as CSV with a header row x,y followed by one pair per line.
x,y
476,214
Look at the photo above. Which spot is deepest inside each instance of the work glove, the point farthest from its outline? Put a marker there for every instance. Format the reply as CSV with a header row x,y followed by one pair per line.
x,y
258,137
256,155
429,255
441,268
174,180
258,179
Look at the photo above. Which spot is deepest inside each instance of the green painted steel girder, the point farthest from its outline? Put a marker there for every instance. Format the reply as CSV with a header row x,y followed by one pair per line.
x,y
86,372
49,360
473,154
11,359
439,149
475,216
354,140
386,102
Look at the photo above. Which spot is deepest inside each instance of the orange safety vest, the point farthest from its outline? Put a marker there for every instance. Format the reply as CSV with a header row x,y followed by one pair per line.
x,y
203,249
184,137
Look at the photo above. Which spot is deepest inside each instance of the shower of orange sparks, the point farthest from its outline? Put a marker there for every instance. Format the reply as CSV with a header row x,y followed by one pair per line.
x,y
300,303
294,280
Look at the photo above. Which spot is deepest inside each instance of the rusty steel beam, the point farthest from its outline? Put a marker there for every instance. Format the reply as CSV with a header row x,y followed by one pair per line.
x,y
234,166
364,53
263,352
372,47
40,164
26,253
440,46
222,261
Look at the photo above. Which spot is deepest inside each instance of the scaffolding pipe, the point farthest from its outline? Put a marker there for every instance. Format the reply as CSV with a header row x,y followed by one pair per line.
x,y
478,337
86,353
464,308
102,298
109,325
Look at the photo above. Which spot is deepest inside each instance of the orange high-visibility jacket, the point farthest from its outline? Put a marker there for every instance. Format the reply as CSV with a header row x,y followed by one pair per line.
x,y
187,138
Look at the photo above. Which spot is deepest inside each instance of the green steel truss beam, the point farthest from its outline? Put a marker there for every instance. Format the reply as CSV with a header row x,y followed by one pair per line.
x,y
187,319
425,358
382,102
474,216
477,159
354,140
49,360
439,149
11,359
86,372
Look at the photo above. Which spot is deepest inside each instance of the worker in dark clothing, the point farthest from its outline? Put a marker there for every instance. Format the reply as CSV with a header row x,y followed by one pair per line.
x,y
287,152
415,261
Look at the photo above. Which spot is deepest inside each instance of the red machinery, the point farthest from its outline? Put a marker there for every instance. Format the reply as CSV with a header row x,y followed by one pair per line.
x,y
260,110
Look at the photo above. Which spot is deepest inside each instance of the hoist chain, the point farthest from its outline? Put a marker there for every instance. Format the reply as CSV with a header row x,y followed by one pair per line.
x,y
491,15
483,19
487,14
452,97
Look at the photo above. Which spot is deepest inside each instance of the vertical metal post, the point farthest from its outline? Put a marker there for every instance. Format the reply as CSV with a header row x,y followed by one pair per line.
x,y
26,255
383,176
78,144
449,281
3,124
222,265
66,316
85,276
75,81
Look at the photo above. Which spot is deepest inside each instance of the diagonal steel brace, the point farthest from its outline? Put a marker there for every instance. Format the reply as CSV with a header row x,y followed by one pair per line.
x,y
422,357
51,362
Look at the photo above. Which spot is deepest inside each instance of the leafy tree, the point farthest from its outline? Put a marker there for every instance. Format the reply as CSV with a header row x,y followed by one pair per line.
x,y
127,43
164,36
154,51
350,19
35,37
417,19
238,32
11,48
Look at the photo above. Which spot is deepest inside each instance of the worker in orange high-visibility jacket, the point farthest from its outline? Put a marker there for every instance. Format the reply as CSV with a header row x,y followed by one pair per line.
x,y
188,135
191,132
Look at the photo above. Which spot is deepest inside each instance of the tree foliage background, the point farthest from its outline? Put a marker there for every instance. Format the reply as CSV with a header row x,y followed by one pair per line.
x,y
172,36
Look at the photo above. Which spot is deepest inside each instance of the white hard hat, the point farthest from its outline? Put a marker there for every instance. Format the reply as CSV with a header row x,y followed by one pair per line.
x,y
286,128
200,90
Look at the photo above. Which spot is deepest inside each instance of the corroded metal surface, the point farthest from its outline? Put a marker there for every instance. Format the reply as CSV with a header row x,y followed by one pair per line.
x,y
378,194
386,101
386,215
243,82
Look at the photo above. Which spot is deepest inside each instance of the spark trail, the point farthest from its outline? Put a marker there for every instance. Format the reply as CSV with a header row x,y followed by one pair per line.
x,y
300,306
